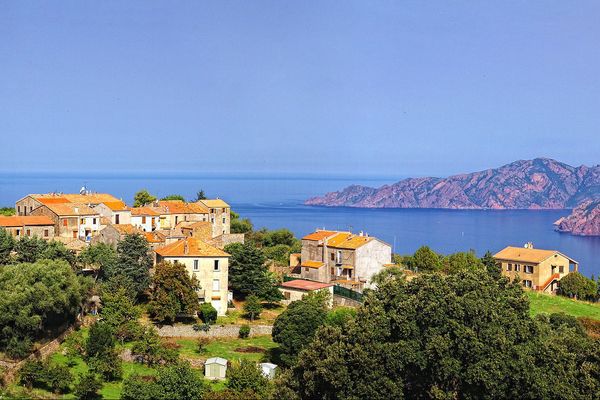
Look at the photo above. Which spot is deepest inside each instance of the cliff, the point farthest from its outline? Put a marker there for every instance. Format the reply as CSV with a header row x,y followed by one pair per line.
x,y
584,220
541,183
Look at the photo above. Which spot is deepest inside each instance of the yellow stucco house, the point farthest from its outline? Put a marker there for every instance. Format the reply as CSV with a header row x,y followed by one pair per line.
x,y
538,269
207,263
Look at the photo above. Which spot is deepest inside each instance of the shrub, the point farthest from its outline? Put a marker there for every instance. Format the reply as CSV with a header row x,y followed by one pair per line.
x,y
246,376
32,373
100,340
19,348
208,313
58,378
340,316
244,331
578,286
88,386
151,350
108,366
201,344
201,327
140,387
252,307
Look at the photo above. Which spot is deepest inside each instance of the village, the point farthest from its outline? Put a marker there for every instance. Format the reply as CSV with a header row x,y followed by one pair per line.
x,y
196,237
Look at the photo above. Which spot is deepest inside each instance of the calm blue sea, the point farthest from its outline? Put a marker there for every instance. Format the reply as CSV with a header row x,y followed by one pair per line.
x,y
276,202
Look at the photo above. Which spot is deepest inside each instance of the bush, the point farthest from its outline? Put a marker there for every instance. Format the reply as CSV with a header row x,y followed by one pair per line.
x,y
252,307
109,366
140,387
42,374
208,313
201,327
88,386
18,348
201,344
577,286
340,316
244,331
151,350
58,378
246,376
100,340
32,374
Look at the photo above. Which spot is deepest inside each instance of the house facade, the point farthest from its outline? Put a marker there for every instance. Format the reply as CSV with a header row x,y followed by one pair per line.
x,y
71,220
116,212
27,204
219,213
145,218
172,212
208,264
296,289
112,234
343,258
29,225
538,269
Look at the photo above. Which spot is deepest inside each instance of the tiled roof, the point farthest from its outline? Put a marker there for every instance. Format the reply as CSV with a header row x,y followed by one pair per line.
x,y
126,229
144,211
154,237
71,209
116,205
180,207
524,254
312,264
26,220
92,198
319,235
52,200
347,241
214,203
190,247
305,285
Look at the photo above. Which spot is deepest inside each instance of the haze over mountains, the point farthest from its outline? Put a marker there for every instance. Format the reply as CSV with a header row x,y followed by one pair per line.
x,y
541,183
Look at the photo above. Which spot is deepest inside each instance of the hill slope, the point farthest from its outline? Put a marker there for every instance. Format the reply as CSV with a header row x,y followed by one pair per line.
x,y
541,183
584,220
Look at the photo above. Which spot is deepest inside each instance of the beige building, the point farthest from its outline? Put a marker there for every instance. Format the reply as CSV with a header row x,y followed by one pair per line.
x,y
116,212
538,269
30,225
112,234
343,258
145,218
172,212
27,204
71,220
219,216
207,263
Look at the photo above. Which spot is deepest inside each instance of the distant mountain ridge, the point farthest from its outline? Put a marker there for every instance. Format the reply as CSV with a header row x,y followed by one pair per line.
x,y
541,183
583,221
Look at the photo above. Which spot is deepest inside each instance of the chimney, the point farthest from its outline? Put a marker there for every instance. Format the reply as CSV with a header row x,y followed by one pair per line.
x,y
528,245
360,233
76,210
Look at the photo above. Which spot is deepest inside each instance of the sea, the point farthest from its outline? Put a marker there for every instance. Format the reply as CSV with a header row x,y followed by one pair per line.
x,y
276,201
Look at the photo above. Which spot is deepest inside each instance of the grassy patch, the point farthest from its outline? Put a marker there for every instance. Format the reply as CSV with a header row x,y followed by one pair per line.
x,y
547,304
226,348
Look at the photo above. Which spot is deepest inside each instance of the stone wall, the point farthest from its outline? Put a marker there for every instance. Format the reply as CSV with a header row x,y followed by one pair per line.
x,y
216,331
344,301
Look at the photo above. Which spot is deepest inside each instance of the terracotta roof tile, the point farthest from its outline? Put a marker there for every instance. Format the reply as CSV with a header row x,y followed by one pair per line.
x,y
144,211
214,203
71,209
312,264
25,220
319,235
305,285
524,254
180,207
190,247
116,205
347,240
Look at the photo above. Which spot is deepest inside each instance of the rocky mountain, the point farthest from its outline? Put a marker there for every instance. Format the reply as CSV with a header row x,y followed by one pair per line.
x,y
541,183
584,220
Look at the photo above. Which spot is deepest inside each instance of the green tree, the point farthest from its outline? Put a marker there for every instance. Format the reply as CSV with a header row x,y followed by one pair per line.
x,y
461,261
29,249
248,273
340,316
173,292
7,244
252,307
200,195
174,197
491,265
208,314
425,260
578,286
121,314
151,350
454,336
100,256
134,261
7,211
58,378
246,375
88,387
296,326
58,251
241,225
101,354
34,298
179,381
142,198
139,387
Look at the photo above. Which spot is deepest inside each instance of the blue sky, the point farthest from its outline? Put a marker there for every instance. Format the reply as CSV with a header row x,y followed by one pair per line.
x,y
324,87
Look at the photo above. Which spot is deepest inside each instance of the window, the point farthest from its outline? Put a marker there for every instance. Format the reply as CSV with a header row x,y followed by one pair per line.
x,y
30,209
216,285
212,220
517,267
305,269
216,265
176,218
332,257
527,283
509,267
223,219
82,221
287,295
143,220
18,232
65,222
224,210
332,271
117,216
195,265
46,233
561,269
528,269
339,257
28,232
74,234
19,209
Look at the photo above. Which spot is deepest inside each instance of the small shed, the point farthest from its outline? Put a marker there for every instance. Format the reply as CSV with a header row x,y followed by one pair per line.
x,y
268,369
215,368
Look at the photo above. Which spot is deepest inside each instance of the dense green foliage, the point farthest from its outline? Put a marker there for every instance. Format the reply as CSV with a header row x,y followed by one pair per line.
x,y
252,307
296,326
493,268
238,225
45,375
101,355
7,211
33,298
100,256
340,316
7,243
178,381
244,331
460,336
200,195
173,292
246,376
121,314
461,261
207,313
142,198
424,260
578,286
134,262
151,350
87,387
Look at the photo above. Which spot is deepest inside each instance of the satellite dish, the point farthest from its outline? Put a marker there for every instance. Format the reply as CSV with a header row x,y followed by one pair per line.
x,y
83,190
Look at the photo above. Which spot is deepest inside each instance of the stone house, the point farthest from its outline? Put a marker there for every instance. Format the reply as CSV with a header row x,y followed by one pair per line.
x,y
116,212
27,204
219,216
29,225
71,220
172,212
343,258
112,234
538,269
208,264
298,288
